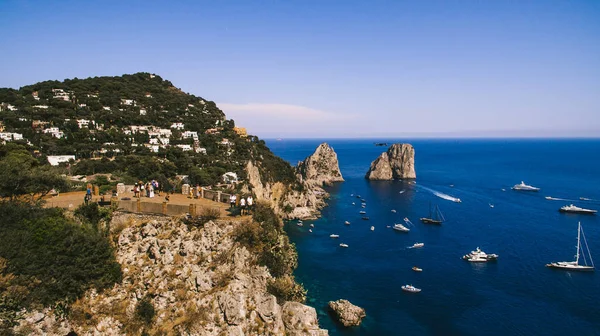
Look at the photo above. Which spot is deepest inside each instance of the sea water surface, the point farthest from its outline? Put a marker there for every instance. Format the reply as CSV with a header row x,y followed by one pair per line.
x,y
517,295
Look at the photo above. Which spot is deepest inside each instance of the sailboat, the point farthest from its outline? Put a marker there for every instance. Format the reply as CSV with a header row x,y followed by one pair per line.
x,y
574,265
435,216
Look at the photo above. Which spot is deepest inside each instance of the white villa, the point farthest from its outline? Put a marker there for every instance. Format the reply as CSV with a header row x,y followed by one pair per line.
x,y
55,160
178,125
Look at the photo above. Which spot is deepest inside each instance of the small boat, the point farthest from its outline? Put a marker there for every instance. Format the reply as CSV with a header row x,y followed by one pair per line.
x,y
416,269
300,224
300,221
343,245
347,223
363,206
435,217
585,199
351,195
312,225
362,200
334,236
491,205
365,218
417,245
411,289
357,196
452,186
457,200
362,212
575,209
479,256
503,189
524,187
401,228
401,191
353,203
310,230
574,265
552,198
394,211
372,228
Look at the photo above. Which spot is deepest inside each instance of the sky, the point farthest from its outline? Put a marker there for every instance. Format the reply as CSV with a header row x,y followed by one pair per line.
x,y
328,68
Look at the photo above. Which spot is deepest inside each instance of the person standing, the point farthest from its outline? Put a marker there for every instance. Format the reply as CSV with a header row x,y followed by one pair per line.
x,y
242,206
231,201
250,204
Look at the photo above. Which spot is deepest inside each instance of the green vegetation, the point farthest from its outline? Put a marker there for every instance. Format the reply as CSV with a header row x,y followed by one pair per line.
x,y
264,235
144,310
108,145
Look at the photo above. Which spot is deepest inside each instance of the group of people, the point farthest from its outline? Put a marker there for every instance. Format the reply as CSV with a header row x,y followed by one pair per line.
x,y
246,204
195,192
147,189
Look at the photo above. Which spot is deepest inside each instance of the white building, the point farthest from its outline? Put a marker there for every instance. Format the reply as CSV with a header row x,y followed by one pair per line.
x,y
61,94
164,141
140,129
40,106
165,132
83,123
189,134
142,111
226,142
229,177
178,125
184,148
128,102
106,108
55,132
201,150
82,105
153,148
7,136
55,160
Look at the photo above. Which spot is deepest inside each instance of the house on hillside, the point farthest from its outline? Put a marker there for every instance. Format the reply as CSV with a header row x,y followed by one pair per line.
x,y
230,177
129,102
189,134
8,136
185,148
178,125
142,111
55,132
55,160
81,123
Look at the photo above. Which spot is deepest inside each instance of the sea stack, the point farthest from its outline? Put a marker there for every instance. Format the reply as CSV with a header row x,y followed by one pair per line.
x,y
397,163
321,167
348,314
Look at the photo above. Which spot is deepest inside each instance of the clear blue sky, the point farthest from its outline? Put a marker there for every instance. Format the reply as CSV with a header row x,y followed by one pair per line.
x,y
334,68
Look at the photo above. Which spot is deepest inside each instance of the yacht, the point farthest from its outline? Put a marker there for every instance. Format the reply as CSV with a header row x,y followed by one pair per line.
x,y
410,288
457,200
372,228
550,198
312,225
435,216
417,245
300,224
365,218
393,211
401,228
585,199
524,187
575,209
343,245
479,256
333,235
416,269
347,223
574,265
362,212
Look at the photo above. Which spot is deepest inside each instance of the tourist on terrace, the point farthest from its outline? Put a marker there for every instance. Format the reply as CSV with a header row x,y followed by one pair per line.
x,y
242,206
250,204
231,201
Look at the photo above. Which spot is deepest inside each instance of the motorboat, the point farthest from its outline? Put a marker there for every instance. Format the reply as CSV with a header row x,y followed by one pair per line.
x,y
550,198
457,200
363,206
411,289
372,228
353,203
300,224
491,205
393,211
365,218
417,245
310,230
503,189
402,191
575,209
416,269
585,199
401,228
524,187
479,256
312,225
333,235
343,245
357,196
362,212
574,265
347,223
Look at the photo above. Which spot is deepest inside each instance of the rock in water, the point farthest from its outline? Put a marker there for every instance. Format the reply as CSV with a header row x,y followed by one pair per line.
x,y
397,163
321,167
347,313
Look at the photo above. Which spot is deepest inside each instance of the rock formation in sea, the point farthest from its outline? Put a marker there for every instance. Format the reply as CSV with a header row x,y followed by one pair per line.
x,y
322,167
304,198
348,314
198,280
397,163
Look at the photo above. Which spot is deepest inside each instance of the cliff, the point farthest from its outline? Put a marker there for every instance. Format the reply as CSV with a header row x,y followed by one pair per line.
x,y
397,163
303,197
321,167
180,279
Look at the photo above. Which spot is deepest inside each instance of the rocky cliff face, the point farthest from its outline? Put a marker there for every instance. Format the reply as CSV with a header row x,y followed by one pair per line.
x,y
321,167
305,201
199,281
397,163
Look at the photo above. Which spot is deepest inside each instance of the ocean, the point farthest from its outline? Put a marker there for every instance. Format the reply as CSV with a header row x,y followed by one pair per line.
x,y
517,295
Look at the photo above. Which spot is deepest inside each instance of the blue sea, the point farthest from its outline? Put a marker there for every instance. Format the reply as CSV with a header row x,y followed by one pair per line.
x,y
517,295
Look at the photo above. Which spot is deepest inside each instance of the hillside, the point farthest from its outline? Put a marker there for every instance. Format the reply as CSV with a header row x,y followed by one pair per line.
x,y
137,126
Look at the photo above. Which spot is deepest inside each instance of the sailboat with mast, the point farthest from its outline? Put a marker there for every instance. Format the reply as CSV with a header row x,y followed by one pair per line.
x,y
574,265
435,216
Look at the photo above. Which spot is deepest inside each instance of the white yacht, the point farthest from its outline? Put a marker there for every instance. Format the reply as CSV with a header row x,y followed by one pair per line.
x,y
401,228
347,223
417,245
575,209
343,245
372,228
574,265
393,211
410,288
479,256
333,235
524,187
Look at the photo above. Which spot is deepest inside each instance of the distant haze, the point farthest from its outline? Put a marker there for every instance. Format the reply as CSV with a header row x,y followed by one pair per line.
x,y
331,68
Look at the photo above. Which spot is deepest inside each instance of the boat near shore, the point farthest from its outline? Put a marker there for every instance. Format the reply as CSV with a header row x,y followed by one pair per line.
x,y
524,187
577,210
411,289
401,228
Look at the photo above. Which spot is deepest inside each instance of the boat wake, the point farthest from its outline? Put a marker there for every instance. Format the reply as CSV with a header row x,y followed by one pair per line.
x,y
442,195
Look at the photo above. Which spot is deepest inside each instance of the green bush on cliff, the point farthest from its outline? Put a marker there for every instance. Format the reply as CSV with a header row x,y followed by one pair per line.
x,y
50,258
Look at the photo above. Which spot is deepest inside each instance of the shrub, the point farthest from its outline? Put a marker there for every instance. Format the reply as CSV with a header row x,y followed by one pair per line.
x,y
286,289
144,310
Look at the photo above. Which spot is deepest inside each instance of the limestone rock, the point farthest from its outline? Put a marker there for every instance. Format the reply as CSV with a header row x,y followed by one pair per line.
x,y
321,167
300,319
347,313
397,163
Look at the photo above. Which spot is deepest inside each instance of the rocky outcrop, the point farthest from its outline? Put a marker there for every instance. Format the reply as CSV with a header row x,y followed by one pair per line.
x,y
199,281
321,167
397,163
347,313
